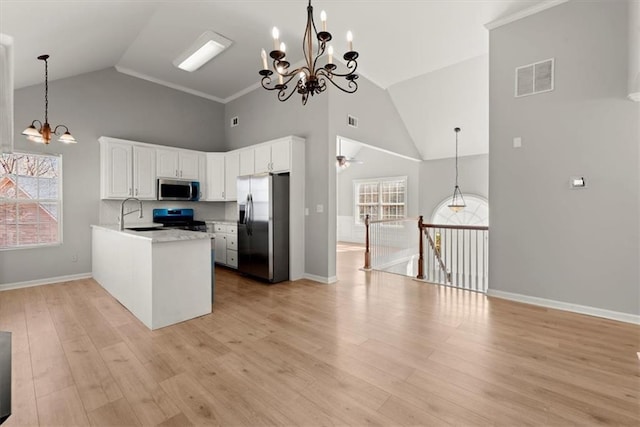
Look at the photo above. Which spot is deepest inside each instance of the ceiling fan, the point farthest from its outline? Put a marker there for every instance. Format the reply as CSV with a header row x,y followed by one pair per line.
x,y
344,162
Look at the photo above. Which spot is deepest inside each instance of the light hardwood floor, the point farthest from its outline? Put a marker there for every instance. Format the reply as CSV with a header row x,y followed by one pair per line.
x,y
374,348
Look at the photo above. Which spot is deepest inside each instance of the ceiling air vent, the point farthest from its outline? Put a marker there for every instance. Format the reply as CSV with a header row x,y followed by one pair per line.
x,y
235,121
534,78
352,121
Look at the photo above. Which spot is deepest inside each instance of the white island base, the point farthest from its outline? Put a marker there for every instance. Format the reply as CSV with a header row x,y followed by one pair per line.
x,y
161,277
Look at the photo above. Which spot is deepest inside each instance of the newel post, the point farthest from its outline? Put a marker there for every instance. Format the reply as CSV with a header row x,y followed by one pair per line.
x,y
367,254
420,251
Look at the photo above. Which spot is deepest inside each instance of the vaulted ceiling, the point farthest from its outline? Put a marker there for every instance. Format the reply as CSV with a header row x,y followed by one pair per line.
x,y
397,39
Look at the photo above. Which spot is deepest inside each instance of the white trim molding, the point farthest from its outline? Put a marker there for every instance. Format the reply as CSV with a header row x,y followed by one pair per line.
x,y
566,306
320,279
46,281
524,13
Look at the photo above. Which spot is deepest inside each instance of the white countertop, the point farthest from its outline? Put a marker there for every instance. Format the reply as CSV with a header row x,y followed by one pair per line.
x,y
160,235
222,221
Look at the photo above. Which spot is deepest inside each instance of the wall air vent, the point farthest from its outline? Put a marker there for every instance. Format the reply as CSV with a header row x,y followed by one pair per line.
x,y
235,121
534,78
352,121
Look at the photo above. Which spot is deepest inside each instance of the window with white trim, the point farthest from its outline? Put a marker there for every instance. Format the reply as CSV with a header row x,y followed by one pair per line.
x,y
380,198
30,200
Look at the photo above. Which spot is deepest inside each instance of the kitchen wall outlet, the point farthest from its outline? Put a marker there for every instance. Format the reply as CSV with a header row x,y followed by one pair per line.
x,y
235,121
306,211
517,142
319,208
74,258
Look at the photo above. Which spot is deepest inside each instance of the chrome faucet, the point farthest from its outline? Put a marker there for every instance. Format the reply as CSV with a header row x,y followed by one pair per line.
x,y
122,214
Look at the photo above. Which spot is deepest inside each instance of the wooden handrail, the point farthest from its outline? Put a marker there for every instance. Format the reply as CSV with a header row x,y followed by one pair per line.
x,y
420,251
367,252
379,221
457,227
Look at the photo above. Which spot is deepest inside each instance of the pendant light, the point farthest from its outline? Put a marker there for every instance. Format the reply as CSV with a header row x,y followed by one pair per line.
x,y
42,134
457,201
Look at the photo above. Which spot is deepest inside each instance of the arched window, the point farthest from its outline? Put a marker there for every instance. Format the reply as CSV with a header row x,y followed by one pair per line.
x,y
475,213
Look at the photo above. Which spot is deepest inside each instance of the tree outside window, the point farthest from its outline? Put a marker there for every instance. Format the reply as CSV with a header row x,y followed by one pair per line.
x,y
30,200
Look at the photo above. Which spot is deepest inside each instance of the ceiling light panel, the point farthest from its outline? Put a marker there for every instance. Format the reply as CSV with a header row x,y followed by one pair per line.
x,y
203,50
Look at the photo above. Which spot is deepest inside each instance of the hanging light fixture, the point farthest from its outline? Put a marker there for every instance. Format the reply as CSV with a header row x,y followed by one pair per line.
x,y
311,78
42,134
457,201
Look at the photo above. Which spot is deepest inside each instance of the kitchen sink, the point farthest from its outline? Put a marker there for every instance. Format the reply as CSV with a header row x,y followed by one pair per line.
x,y
144,228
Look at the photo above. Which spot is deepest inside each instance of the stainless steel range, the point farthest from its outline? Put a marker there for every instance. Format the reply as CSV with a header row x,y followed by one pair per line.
x,y
178,218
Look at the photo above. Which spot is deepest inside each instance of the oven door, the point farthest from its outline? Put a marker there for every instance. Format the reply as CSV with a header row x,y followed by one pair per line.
x,y
171,189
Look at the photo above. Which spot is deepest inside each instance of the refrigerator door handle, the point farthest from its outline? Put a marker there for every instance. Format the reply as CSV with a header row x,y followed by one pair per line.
x,y
250,214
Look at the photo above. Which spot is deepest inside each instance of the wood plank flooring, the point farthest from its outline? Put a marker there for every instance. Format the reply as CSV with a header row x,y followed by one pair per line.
x,y
373,349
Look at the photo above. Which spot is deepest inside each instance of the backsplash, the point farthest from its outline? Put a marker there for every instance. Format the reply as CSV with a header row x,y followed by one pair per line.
x,y
110,210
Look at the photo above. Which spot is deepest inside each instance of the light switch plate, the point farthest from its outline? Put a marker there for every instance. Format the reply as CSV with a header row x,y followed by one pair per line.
x,y
517,142
319,208
577,182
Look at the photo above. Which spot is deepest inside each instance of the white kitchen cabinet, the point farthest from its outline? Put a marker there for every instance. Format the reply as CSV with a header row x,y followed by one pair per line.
x,y
221,248
188,162
116,167
127,170
215,177
273,156
144,172
226,244
167,163
247,159
231,173
181,164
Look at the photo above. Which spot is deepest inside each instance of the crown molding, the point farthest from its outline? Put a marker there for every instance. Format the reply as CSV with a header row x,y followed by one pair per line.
x,y
524,13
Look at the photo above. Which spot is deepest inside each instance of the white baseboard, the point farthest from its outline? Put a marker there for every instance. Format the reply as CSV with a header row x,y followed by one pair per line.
x,y
575,308
47,281
321,279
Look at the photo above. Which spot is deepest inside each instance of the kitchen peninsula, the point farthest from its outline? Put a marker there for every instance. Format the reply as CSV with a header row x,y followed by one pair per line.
x,y
161,276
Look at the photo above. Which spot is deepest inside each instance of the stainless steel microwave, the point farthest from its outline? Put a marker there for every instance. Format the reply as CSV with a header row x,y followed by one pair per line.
x,y
173,189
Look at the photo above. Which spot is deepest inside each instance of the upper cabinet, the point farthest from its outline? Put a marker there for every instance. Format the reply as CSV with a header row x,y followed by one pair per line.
x,y
231,173
215,177
222,173
274,156
247,166
127,170
178,163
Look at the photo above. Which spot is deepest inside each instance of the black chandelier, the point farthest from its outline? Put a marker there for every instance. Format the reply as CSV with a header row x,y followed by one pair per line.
x,y
44,132
311,78
457,201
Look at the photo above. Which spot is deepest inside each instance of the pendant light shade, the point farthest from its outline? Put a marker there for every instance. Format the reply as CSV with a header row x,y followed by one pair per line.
x,y
42,134
457,201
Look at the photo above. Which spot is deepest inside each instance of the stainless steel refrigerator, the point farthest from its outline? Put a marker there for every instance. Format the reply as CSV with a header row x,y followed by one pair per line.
x,y
263,226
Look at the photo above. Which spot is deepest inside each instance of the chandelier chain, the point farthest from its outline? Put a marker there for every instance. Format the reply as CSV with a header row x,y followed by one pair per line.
x,y
46,91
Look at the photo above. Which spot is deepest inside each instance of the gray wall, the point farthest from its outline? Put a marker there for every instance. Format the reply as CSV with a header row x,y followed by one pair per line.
x,y
575,246
95,104
437,179
376,164
262,117
379,123
432,104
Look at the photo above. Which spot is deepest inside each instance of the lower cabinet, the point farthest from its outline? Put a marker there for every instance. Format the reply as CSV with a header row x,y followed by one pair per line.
x,y
226,244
